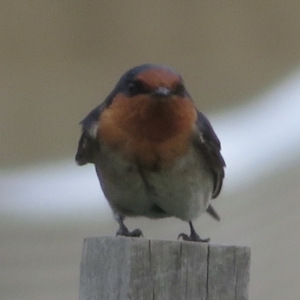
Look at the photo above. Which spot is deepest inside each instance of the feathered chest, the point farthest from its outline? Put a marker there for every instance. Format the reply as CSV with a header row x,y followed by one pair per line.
x,y
149,131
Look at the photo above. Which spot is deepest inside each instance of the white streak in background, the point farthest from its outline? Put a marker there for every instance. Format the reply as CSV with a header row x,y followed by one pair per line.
x,y
257,139
263,136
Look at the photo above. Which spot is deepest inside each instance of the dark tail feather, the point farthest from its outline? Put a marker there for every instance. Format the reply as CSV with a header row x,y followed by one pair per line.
x,y
211,211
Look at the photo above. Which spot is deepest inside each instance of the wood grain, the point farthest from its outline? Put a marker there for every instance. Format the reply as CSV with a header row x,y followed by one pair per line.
x,y
126,268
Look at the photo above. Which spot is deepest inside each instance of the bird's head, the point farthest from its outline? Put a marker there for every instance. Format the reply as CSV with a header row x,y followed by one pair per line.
x,y
149,106
155,81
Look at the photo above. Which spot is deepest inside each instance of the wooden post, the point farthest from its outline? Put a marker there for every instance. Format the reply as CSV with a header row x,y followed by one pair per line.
x,y
139,269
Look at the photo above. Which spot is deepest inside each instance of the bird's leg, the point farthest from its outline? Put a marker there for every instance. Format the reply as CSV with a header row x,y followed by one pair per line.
x,y
123,230
193,237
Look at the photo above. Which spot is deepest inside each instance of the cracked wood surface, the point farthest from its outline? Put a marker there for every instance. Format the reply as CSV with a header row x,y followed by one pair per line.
x,y
126,268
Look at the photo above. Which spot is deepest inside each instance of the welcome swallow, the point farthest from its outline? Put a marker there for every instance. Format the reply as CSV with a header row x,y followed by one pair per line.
x,y
155,154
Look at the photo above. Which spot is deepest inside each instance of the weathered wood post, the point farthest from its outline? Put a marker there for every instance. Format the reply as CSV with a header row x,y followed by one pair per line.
x,y
139,269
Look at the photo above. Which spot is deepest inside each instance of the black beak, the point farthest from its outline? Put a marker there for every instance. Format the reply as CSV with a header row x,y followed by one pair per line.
x,y
161,92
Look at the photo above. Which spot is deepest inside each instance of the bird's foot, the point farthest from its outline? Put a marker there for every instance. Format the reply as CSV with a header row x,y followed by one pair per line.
x,y
125,232
192,238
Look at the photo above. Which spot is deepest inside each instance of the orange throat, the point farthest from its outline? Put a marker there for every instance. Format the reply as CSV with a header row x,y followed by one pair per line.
x,y
149,131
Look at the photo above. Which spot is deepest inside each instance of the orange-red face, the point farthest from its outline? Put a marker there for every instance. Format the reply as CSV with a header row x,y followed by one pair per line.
x,y
155,120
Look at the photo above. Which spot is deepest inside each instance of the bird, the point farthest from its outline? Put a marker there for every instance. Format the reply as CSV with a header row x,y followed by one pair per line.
x,y
155,154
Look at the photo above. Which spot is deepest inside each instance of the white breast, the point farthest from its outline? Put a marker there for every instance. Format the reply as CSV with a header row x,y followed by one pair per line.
x,y
182,191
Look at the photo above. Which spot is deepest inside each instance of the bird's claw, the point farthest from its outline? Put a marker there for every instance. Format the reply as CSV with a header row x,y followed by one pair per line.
x,y
126,232
136,233
192,238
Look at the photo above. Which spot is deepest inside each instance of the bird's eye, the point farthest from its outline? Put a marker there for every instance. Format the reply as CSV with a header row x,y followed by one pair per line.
x,y
179,90
136,87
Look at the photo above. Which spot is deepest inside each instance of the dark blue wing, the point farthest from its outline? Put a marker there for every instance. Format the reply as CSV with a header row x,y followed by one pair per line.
x,y
208,143
88,145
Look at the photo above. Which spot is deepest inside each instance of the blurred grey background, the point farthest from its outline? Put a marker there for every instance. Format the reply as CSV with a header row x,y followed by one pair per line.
x,y
59,59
